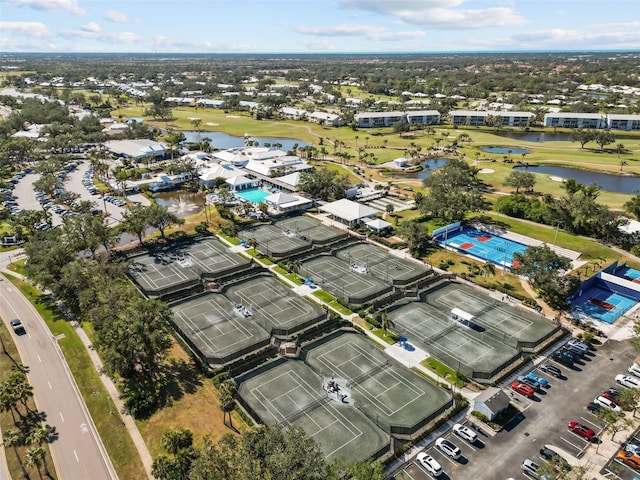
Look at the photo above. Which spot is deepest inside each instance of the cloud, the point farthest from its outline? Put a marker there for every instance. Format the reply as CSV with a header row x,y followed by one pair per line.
x,y
593,38
117,37
91,27
70,6
370,32
440,14
31,29
117,17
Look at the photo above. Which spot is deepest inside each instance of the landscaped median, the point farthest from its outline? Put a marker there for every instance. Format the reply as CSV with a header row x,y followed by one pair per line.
x,y
332,302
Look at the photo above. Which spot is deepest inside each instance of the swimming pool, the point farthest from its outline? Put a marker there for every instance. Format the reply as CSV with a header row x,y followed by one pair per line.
x,y
483,245
254,195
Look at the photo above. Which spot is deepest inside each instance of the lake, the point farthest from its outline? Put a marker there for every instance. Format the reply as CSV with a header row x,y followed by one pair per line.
x,y
506,150
428,167
223,141
181,203
606,181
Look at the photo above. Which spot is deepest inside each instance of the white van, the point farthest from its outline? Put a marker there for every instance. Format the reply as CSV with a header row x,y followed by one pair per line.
x,y
634,369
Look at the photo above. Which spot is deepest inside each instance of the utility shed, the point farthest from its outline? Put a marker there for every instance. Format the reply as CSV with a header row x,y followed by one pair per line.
x,y
491,402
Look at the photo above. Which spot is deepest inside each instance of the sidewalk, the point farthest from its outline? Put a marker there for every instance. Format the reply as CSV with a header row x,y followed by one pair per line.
x,y
127,420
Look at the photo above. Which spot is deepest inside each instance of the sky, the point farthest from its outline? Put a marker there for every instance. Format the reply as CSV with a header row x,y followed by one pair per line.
x,y
318,26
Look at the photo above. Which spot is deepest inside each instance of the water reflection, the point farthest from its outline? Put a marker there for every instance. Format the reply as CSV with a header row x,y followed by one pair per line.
x,y
181,203
428,166
223,141
606,181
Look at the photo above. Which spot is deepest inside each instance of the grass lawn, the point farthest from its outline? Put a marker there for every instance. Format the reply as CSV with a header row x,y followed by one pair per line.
x,y
193,403
390,337
114,434
9,360
443,371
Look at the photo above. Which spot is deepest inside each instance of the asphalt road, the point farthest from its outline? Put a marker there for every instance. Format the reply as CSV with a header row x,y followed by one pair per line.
x,y
77,450
542,422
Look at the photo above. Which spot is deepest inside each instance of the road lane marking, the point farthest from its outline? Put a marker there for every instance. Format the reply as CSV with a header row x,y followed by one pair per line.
x,y
442,454
50,387
61,416
592,423
76,455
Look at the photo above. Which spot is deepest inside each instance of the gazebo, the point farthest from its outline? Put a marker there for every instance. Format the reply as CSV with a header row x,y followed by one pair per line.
x,y
349,212
377,224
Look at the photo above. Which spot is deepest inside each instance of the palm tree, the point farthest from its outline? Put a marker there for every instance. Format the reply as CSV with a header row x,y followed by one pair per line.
x,y
623,163
196,122
356,139
620,149
228,390
34,457
488,268
385,323
389,208
13,438
384,142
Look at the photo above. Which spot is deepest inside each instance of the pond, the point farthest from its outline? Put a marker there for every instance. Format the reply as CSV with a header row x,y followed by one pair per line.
x,y
606,181
551,137
427,166
181,203
506,150
223,141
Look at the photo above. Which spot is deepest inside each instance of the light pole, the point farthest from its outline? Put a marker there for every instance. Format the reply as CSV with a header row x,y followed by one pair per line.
x,y
555,237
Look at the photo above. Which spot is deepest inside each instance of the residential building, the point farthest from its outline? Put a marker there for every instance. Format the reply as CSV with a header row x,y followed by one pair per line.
x,y
327,119
491,402
291,113
475,118
423,117
378,119
617,121
575,120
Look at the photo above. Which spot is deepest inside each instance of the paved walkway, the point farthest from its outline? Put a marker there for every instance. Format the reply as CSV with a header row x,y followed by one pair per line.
x,y
127,420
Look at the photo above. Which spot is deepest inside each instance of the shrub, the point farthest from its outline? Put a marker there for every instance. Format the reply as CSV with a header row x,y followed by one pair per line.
x,y
480,416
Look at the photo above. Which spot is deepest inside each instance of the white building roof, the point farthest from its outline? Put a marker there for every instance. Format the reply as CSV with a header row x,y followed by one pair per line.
x,y
292,179
137,148
219,171
348,210
239,180
486,113
377,224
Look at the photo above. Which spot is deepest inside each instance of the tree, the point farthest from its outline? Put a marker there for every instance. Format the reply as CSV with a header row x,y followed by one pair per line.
x,y
583,136
604,138
136,221
325,184
417,237
488,268
454,191
161,218
176,440
389,208
629,398
385,322
520,179
611,419
632,206
228,390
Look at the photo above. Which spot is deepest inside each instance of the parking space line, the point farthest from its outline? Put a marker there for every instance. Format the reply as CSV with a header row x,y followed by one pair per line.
x,y
572,444
592,423
407,473
441,454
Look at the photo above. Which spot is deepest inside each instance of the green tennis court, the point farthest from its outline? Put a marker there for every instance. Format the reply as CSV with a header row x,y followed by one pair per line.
x,y
307,228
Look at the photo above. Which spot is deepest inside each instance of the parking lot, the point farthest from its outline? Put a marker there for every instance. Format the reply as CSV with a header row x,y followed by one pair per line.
x,y
543,421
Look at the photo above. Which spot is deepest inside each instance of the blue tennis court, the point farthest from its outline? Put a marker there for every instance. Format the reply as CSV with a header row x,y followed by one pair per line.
x,y
630,274
254,195
603,304
483,245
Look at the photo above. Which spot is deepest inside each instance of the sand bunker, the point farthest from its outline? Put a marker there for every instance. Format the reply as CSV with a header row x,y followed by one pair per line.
x,y
211,124
486,170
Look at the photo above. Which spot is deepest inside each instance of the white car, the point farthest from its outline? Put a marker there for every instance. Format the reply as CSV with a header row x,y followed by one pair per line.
x,y
430,464
465,433
634,369
575,343
605,402
448,448
628,381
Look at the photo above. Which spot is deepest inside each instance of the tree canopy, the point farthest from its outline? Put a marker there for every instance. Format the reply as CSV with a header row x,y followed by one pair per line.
x,y
325,184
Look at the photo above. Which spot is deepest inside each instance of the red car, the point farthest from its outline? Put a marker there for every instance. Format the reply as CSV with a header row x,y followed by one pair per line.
x,y
523,389
610,396
582,430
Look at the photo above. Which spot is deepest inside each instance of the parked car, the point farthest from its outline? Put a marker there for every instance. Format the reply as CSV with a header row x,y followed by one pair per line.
x,y
610,396
551,370
634,369
632,448
593,407
531,468
553,456
532,383
575,350
571,354
582,430
542,381
629,459
628,381
522,389
563,358
430,464
17,326
605,402
585,347
449,448
465,433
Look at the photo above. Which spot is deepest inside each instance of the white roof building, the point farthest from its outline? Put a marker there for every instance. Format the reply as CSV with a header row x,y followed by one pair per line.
x,y
349,211
136,149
